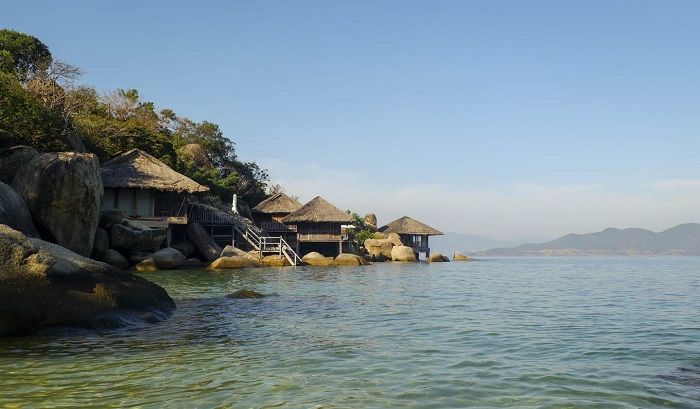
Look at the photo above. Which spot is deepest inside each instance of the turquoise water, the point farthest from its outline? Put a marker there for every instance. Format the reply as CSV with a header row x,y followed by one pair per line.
x,y
507,332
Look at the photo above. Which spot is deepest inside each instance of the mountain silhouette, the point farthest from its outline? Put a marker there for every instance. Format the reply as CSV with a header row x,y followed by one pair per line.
x,y
683,239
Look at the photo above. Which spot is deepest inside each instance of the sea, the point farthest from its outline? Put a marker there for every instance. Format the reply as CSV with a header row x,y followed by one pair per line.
x,y
568,332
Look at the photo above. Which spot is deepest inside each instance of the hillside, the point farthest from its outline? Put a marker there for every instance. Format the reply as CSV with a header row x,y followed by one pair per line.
x,y
680,240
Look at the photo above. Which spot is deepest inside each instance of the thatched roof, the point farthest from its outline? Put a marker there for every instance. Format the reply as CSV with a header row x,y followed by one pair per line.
x,y
406,225
279,203
318,210
136,169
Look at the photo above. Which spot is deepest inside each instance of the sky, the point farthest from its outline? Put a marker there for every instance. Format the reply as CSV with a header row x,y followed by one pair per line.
x,y
507,119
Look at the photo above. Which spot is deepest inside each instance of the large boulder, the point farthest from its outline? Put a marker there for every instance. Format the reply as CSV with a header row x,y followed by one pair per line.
x,y
379,249
275,260
230,251
317,259
115,259
100,244
346,259
201,239
185,247
63,192
130,235
168,258
43,284
371,221
437,258
147,265
110,217
395,239
14,212
232,262
12,159
403,253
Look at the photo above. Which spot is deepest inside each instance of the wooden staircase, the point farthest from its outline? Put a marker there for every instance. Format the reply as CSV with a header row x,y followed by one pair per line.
x,y
256,237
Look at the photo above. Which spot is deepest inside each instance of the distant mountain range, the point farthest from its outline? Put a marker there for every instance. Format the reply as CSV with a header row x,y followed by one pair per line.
x,y
683,240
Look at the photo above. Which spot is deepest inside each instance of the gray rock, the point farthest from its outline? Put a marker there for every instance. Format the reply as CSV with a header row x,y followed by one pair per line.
x,y
201,239
187,248
100,244
63,192
241,294
115,259
110,217
43,284
14,212
168,258
12,159
129,235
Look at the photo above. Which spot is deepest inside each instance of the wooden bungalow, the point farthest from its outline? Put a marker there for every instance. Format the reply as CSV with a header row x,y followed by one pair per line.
x,y
269,213
412,233
147,189
319,227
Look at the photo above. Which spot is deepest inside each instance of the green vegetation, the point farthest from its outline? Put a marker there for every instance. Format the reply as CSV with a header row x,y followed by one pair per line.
x,y
362,232
41,106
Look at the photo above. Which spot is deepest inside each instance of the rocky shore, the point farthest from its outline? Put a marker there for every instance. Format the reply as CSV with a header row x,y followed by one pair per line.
x,y
49,216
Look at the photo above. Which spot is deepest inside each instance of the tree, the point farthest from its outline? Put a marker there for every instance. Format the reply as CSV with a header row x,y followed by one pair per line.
x,y
24,120
22,55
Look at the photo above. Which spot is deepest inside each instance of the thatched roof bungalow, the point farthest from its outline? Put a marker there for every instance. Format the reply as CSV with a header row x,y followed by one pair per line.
x,y
145,187
269,213
275,208
412,233
319,227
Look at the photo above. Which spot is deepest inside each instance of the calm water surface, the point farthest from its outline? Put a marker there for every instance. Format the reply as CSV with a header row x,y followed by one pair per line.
x,y
507,332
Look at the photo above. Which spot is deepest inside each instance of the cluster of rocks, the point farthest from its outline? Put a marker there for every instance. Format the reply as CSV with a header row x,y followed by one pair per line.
x,y
49,216
390,248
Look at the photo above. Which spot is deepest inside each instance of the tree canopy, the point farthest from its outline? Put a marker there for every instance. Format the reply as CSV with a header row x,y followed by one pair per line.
x,y
41,106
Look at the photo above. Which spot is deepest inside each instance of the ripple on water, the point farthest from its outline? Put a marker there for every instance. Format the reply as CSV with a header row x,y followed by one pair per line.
x,y
532,333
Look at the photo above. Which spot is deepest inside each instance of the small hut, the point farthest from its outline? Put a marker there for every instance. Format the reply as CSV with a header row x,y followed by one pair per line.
x,y
147,189
319,227
413,234
269,213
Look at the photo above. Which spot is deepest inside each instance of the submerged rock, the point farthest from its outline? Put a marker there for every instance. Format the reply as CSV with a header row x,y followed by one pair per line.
x,y
459,257
245,294
43,284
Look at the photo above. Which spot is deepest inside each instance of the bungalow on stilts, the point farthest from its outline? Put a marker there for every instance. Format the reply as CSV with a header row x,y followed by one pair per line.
x,y
269,213
319,227
413,234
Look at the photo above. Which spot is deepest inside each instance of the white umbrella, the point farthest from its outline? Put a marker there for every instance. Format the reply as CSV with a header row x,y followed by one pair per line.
x,y
234,204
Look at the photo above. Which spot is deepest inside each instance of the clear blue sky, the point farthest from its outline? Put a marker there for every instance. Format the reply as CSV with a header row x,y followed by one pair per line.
x,y
508,119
